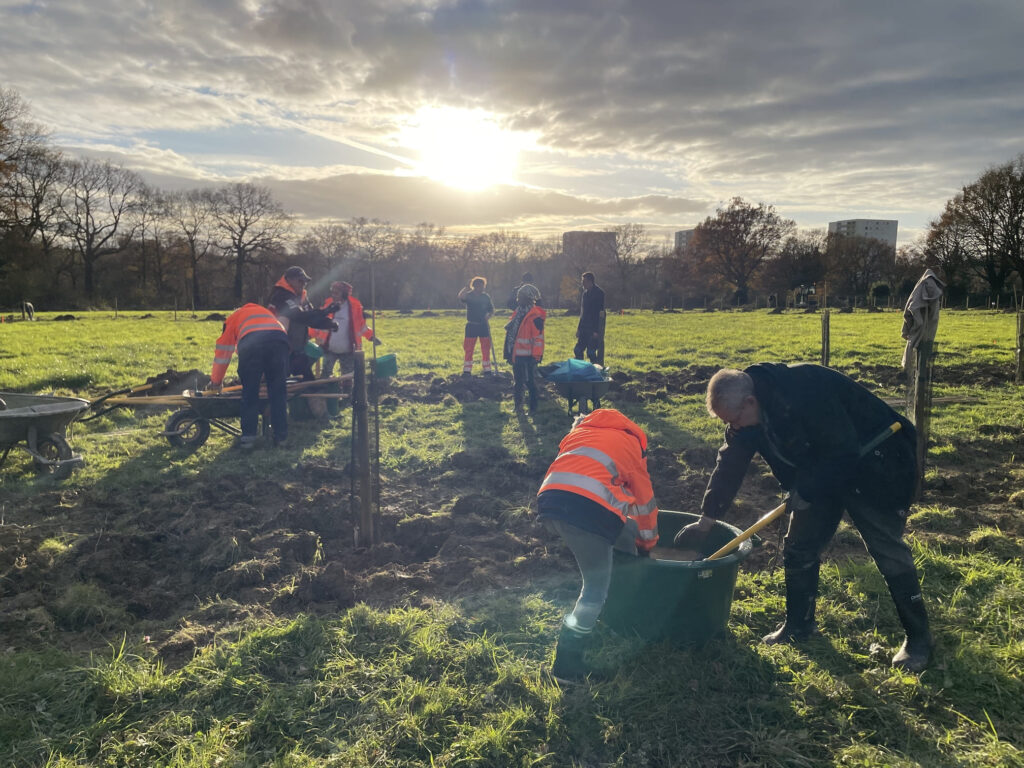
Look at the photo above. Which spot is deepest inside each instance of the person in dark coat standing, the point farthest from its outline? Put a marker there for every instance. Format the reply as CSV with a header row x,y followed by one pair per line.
x,y
289,303
589,330
811,424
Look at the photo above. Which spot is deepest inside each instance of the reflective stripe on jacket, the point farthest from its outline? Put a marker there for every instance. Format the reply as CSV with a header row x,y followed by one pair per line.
x,y
604,458
529,338
241,322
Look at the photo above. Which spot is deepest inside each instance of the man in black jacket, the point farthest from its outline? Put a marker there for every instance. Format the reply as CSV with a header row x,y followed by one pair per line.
x,y
288,301
590,329
810,423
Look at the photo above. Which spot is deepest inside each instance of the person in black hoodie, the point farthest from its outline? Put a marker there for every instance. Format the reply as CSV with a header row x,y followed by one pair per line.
x,y
288,301
810,424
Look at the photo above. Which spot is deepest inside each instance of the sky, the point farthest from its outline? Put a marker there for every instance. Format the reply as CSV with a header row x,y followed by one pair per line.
x,y
537,116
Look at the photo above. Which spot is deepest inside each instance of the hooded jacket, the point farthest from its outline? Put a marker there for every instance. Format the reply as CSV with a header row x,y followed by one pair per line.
x,y
604,459
814,422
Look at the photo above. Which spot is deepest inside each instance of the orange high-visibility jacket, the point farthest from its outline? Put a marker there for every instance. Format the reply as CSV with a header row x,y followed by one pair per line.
x,y
530,338
245,320
357,330
604,458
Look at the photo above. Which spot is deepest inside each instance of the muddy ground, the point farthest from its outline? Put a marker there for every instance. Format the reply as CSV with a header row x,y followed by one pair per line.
x,y
180,563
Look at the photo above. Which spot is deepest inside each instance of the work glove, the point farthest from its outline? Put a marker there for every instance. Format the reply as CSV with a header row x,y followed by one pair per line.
x,y
334,308
335,326
377,342
694,536
213,389
795,502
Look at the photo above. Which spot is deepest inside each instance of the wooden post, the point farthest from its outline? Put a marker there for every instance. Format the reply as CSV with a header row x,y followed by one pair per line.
x,y
1019,376
826,339
361,450
919,388
115,307
175,309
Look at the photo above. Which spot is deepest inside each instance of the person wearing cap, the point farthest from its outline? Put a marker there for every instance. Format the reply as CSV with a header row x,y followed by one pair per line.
x,y
478,314
524,344
288,301
340,345
597,497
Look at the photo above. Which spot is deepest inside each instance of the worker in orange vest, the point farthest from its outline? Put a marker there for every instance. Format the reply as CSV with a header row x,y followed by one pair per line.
x,y
339,346
597,496
263,352
524,344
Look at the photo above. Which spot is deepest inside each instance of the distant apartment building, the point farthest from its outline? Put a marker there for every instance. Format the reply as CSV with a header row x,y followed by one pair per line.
x,y
879,229
597,248
683,237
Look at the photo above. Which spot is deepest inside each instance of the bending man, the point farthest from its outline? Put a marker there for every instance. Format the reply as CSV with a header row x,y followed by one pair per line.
x,y
810,424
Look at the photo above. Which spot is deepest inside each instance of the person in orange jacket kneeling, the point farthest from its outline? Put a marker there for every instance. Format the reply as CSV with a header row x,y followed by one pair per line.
x,y
597,496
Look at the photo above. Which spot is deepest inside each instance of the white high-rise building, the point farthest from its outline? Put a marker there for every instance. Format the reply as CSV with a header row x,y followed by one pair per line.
x,y
683,238
880,229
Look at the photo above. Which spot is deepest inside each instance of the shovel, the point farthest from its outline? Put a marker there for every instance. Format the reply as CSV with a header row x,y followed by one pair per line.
x,y
780,510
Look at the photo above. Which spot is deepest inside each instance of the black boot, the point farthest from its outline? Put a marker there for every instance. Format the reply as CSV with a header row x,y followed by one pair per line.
x,y
569,664
801,592
916,651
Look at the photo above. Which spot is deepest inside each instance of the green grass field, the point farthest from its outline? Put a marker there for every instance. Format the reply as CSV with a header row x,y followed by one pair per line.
x,y
162,608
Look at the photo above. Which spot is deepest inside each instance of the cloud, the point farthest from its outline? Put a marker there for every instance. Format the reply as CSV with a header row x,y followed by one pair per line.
x,y
637,105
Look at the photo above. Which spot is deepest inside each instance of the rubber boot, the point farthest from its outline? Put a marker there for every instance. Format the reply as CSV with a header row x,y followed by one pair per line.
x,y
801,592
916,651
569,664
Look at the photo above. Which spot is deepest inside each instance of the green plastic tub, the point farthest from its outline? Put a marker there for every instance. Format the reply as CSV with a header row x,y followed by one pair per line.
x,y
384,367
679,601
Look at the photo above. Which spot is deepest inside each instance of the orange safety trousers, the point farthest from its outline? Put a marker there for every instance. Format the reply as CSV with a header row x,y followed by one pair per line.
x,y
469,347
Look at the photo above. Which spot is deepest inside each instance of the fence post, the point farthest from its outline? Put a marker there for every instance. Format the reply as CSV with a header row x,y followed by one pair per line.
x,y
919,391
826,337
361,450
1019,376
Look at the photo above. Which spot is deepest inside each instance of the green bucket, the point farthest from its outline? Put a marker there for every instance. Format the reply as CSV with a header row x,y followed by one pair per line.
x,y
680,601
384,367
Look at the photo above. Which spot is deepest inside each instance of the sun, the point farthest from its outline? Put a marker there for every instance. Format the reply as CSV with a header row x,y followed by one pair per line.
x,y
463,148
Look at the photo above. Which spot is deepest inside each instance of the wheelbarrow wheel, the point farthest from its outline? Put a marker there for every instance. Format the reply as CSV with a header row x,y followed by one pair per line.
x,y
54,447
187,429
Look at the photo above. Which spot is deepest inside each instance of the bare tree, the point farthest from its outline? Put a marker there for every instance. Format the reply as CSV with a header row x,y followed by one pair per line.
x,y
857,263
95,209
734,243
192,215
252,221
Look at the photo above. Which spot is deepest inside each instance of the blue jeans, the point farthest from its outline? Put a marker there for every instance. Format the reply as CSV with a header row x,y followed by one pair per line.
x,y
593,555
264,354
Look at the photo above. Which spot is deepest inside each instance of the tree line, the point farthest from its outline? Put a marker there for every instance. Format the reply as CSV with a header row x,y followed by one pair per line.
x,y
80,232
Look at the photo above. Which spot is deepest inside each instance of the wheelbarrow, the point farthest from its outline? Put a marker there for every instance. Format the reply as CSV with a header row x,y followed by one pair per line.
x,y
579,393
190,426
37,424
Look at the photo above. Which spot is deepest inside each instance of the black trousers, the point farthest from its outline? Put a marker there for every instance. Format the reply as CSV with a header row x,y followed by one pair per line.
x,y
524,373
264,359
591,344
811,530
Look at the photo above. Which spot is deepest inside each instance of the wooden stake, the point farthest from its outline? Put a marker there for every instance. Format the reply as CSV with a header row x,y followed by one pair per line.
x,y
1019,376
361,450
826,337
920,386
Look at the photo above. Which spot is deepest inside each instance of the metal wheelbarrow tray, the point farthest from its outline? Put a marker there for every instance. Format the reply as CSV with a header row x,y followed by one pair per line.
x,y
40,422
578,393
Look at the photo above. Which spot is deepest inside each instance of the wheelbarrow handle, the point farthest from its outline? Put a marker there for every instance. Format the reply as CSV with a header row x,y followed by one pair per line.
x,y
780,510
126,391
